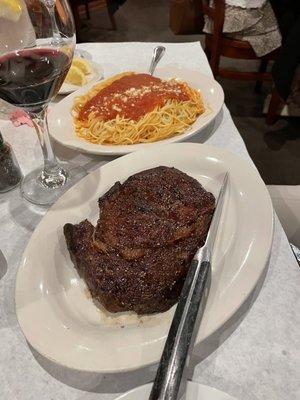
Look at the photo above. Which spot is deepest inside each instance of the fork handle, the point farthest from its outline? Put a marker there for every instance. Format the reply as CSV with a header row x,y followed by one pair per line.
x,y
158,52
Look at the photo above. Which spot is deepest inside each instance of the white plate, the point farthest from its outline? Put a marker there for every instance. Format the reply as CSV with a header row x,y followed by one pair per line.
x,y
61,321
95,75
61,122
194,391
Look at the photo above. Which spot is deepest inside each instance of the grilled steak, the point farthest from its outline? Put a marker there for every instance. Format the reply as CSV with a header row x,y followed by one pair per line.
x,y
137,256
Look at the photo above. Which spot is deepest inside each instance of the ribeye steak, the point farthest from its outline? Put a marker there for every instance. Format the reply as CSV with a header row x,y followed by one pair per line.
x,y
137,256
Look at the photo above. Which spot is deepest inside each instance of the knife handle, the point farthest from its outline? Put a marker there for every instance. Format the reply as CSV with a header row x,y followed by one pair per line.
x,y
180,339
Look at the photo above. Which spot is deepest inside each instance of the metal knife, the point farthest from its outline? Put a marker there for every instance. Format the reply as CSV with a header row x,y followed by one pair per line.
x,y
190,309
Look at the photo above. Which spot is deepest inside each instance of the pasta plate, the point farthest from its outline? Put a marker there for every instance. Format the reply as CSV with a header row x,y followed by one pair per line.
x,y
62,127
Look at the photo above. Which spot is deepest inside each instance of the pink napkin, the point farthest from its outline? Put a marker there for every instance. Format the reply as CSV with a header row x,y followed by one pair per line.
x,y
19,118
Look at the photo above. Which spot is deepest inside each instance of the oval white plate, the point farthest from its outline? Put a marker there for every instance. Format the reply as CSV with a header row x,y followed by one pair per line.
x,y
61,122
61,321
194,391
95,75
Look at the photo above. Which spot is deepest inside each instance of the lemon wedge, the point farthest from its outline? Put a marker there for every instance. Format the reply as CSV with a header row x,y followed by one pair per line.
x,y
10,9
75,76
82,64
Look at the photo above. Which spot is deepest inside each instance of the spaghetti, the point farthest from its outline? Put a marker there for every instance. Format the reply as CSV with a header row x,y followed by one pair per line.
x,y
135,108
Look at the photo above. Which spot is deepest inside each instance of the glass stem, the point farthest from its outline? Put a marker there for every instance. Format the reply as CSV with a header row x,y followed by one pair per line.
x,y
39,120
52,175
56,40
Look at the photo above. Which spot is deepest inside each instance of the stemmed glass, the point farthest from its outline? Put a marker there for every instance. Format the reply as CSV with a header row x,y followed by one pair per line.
x,y
37,40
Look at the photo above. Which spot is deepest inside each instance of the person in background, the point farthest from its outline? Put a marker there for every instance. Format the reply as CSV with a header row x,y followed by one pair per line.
x,y
114,5
286,70
250,20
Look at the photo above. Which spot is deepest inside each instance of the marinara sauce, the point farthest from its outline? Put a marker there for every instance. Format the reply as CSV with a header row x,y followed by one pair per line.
x,y
132,96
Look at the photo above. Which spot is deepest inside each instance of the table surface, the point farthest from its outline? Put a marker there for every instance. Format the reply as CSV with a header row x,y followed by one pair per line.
x,y
256,355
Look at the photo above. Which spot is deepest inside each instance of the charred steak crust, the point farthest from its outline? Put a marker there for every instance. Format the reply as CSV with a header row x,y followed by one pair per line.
x,y
137,256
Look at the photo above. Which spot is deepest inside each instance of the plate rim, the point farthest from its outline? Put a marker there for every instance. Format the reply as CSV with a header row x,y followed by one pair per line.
x,y
110,150
189,382
228,315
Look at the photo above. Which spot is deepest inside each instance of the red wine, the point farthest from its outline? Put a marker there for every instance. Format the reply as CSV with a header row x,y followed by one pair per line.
x,y
29,78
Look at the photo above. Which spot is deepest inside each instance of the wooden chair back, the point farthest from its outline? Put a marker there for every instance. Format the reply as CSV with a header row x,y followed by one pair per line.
x,y
217,16
217,44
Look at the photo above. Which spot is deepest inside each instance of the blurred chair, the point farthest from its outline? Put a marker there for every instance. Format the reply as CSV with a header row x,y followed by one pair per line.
x,y
277,104
275,107
81,7
217,44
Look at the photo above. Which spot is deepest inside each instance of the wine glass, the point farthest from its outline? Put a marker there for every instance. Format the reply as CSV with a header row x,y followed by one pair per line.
x,y
37,40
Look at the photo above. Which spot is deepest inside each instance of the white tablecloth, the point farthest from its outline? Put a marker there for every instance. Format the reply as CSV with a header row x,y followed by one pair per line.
x,y
260,360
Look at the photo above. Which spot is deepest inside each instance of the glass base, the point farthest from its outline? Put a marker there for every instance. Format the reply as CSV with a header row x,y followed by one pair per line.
x,y
44,189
